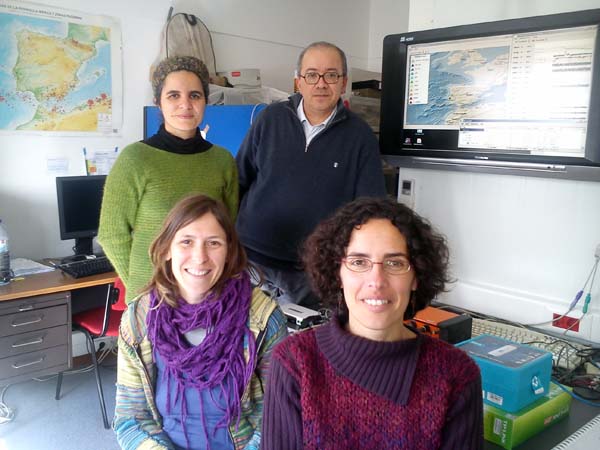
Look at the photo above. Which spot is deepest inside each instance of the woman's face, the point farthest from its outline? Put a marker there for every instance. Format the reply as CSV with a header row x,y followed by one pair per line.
x,y
198,254
182,103
376,299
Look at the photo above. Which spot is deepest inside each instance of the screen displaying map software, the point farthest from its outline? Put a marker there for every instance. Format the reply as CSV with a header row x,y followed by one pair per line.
x,y
523,93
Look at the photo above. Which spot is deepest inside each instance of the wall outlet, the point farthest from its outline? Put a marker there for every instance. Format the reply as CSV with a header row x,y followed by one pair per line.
x,y
78,343
406,192
597,252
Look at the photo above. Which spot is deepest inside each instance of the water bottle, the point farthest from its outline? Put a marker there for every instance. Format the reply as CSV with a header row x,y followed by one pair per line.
x,y
5,274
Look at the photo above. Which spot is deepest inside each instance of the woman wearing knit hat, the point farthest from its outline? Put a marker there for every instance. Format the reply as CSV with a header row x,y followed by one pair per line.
x,y
365,380
150,176
195,346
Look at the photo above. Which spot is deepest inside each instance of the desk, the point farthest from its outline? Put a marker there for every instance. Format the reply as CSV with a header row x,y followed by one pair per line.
x,y
35,323
580,415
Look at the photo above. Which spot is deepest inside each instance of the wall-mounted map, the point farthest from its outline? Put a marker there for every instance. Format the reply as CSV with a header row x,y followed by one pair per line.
x,y
60,70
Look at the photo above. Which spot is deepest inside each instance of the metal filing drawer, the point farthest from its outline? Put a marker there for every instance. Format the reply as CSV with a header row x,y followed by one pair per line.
x,y
32,341
35,336
30,364
36,319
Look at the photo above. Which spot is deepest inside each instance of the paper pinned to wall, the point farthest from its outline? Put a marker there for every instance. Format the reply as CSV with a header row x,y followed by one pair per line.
x,y
99,162
57,165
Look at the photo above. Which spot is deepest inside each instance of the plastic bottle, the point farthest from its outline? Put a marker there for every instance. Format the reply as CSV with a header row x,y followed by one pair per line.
x,y
5,275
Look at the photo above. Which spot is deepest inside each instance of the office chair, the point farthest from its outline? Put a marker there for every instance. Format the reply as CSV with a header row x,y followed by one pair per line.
x,y
96,323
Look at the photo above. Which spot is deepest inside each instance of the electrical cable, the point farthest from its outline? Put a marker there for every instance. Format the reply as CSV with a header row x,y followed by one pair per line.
x,y
573,302
576,396
7,414
254,111
588,299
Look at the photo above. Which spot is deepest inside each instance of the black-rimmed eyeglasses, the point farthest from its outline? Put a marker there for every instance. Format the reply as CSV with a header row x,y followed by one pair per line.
x,y
314,77
393,266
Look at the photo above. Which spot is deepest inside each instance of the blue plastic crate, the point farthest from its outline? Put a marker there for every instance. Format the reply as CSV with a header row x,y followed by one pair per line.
x,y
513,375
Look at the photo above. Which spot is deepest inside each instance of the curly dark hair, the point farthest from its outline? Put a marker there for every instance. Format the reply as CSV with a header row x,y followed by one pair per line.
x,y
175,64
325,248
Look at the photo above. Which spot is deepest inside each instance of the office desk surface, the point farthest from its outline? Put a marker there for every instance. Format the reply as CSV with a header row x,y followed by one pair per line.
x,y
49,282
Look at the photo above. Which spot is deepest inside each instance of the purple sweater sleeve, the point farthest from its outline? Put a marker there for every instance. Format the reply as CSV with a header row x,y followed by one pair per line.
x,y
282,420
464,423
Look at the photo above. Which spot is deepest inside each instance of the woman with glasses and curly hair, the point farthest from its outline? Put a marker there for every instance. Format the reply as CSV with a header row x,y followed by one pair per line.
x,y
194,347
150,176
365,379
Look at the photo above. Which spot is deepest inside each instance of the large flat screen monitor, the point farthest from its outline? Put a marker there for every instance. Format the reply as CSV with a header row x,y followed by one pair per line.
x,y
519,91
79,203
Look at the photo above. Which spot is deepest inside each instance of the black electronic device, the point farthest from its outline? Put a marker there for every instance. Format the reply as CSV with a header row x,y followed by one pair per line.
x,y
79,203
87,267
523,91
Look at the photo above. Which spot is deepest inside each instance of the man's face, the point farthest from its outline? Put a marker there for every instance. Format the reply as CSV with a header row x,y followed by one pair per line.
x,y
320,99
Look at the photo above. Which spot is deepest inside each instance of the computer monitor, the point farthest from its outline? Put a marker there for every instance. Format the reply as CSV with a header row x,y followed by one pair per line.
x,y
520,91
79,203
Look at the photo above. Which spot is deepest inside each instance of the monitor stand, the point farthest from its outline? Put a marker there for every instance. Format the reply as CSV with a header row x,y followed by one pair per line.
x,y
84,246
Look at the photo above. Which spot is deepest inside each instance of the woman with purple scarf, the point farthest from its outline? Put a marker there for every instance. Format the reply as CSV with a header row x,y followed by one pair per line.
x,y
194,347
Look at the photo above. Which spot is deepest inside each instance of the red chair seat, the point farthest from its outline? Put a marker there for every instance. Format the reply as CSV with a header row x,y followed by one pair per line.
x,y
91,324
92,321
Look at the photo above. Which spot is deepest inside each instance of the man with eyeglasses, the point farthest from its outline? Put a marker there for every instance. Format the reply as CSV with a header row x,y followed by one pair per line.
x,y
299,162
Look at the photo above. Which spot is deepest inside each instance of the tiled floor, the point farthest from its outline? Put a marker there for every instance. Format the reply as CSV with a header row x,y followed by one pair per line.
x,y
72,423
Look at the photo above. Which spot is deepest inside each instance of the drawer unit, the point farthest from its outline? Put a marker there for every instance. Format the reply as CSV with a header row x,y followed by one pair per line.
x,y
35,336
34,340
33,364
36,319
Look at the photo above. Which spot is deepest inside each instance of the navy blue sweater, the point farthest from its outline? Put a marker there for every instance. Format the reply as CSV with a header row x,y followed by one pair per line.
x,y
286,188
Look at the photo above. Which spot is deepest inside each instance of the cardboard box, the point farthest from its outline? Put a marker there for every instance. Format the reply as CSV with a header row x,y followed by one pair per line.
x,y
510,429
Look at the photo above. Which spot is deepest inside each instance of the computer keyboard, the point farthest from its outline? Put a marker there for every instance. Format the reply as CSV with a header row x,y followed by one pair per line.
x,y
87,267
564,354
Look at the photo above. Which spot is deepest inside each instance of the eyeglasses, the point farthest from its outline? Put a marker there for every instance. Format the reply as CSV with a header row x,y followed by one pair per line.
x,y
393,266
314,77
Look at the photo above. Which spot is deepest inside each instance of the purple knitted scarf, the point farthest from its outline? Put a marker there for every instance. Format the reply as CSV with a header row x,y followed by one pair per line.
x,y
219,358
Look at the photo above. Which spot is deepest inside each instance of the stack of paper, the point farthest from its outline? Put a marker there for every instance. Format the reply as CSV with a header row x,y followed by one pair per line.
x,y
23,266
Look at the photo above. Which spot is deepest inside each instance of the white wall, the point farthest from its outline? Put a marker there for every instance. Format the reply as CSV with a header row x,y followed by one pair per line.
x,y
521,247
427,14
386,17
267,34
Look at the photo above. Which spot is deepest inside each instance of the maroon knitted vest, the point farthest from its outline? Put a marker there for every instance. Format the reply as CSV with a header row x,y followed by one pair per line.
x,y
339,414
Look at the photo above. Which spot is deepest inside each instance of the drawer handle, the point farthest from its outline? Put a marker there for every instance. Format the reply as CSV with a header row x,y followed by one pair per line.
x,y
24,344
25,307
20,324
31,363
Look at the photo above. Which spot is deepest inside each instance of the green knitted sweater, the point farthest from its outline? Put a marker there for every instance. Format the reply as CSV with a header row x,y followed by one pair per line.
x,y
142,187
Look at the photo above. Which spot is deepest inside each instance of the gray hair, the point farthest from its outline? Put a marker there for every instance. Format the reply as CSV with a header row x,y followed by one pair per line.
x,y
175,64
323,44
